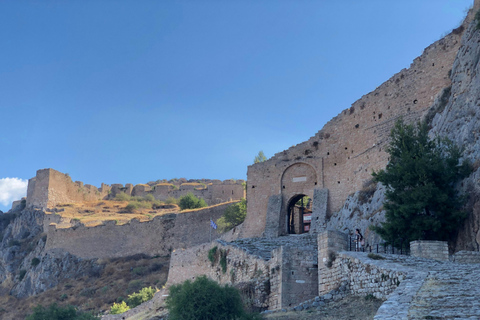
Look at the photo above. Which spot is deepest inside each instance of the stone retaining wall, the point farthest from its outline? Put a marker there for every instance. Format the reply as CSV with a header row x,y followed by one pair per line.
x,y
436,250
466,257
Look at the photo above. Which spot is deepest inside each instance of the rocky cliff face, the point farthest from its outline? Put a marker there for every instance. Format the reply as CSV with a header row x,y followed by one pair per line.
x,y
25,267
459,120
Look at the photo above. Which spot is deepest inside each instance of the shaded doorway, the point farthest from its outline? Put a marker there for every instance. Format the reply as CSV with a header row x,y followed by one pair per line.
x,y
299,214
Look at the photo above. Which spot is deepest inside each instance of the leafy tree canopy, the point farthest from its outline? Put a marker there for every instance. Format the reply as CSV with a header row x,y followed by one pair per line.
x,y
204,299
234,215
189,201
260,157
422,203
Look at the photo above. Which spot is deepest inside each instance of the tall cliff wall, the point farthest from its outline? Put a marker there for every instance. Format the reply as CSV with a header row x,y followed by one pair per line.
x,y
156,237
459,120
342,156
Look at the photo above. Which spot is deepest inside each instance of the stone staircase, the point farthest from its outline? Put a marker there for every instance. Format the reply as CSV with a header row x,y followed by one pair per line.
x,y
262,247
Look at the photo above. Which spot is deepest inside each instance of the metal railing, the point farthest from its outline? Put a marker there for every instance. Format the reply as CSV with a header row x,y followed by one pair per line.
x,y
394,248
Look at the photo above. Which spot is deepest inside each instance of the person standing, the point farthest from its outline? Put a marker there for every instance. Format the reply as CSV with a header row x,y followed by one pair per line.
x,y
358,240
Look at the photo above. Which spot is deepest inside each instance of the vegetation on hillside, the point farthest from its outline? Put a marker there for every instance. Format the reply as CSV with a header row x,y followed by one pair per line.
x,y
54,312
189,201
205,299
233,216
422,203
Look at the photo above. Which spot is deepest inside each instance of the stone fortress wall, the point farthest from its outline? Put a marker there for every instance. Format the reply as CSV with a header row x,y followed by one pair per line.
x,y
342,155
50,187
156,237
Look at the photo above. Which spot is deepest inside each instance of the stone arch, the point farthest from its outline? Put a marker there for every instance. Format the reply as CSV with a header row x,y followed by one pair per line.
x,y
298,179
297,215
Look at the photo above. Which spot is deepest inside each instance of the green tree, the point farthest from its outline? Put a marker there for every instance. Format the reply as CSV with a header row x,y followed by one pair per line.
x,y
54,312
422,203
204,299
260,157
233,216
189,201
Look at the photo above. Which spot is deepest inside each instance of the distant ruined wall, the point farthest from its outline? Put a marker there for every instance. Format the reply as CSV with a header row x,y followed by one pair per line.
x,y
349,147
50,187
156,237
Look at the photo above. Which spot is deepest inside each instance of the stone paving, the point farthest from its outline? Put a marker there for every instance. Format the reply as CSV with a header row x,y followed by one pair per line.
x,y
430,290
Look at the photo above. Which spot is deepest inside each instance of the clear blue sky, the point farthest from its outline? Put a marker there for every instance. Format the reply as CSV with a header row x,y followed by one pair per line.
x,y
134,91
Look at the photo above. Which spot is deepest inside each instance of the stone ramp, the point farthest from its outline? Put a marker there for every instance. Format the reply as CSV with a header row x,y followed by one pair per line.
x,y
449,293
262,247
431,289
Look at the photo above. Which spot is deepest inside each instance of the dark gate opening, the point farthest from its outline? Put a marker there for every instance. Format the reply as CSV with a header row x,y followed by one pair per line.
x,y
299,214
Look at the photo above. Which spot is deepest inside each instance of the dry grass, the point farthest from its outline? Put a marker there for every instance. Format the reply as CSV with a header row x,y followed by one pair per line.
x,y
93,213
120,277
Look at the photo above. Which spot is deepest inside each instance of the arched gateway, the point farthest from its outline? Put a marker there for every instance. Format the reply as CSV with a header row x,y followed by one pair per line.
x,y
286,214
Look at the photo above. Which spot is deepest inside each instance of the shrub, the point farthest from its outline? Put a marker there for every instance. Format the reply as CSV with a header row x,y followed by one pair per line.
x,y
136,299
149,197
131,207
122,196
63,297
139,271
204,299
189,201
212,254
135,285
234,215
35,262
171,200
54,312
118,308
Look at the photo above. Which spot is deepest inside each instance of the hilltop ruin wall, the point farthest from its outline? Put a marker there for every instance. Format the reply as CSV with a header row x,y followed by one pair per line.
x,y
50,187
156,237
343,154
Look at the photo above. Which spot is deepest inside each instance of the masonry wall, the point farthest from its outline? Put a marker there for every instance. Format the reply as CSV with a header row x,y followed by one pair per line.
x,y
247,272
156,237
344,275
342,156
50,187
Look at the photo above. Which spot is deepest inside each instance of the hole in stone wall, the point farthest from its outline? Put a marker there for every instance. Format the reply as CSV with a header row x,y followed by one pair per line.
x,y
388,108
253,187
415,101
328,153
293,272
379,116
283,187
408,109
232,191
352,109
357,125
346,148
315,183
362,106
433,64
335,164
338,181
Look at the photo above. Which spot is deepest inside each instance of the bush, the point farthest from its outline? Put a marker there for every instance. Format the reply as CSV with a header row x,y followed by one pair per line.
x,y
171,200
54,312
234,215
118,308
35,262
204,299
189,201
122,196
149,197
136,299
